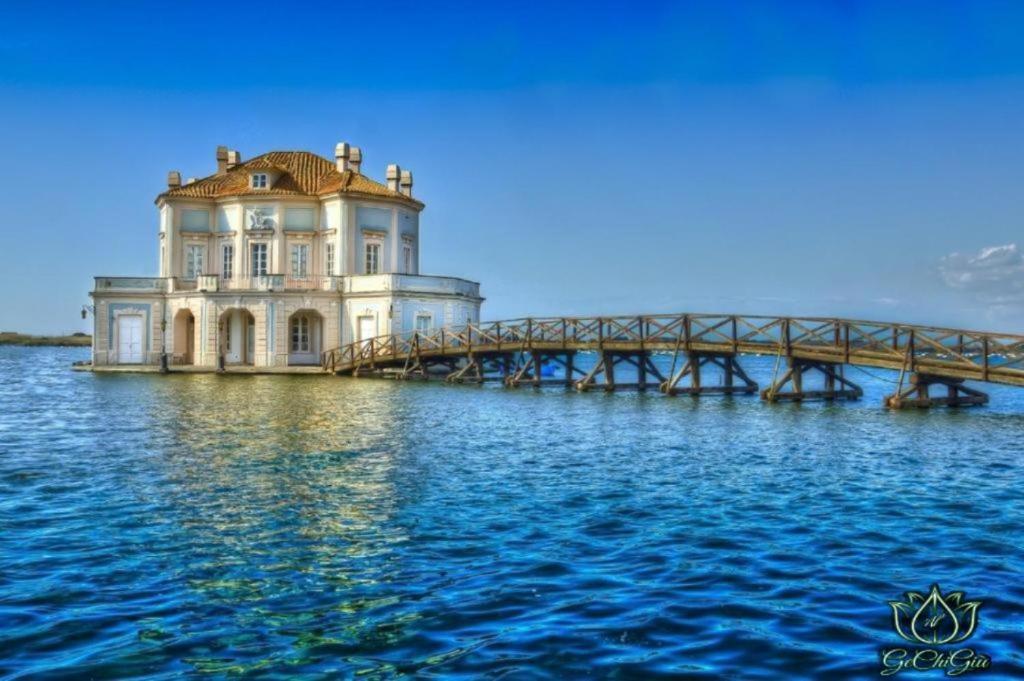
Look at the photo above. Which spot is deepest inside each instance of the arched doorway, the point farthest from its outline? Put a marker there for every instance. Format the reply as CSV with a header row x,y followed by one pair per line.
x,y
184,341
237,337
305,330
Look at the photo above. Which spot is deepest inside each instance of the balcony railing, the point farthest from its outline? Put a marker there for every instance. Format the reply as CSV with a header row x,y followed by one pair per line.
x,y
279,282
368,283
131,284
211,283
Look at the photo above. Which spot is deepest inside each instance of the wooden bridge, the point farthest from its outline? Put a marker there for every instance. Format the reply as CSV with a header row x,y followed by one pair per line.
x,y
933,363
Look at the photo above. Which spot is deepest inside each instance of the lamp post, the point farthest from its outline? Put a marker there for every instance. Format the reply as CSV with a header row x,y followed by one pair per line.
x,y
163,345
86,311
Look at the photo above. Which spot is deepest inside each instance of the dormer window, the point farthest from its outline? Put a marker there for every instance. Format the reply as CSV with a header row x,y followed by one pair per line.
x,y
259,181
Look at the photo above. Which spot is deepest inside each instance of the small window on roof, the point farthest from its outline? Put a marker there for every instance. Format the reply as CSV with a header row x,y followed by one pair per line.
x,y
259,181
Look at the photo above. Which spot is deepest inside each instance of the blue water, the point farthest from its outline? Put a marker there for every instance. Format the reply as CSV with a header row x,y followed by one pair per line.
x,y
309,527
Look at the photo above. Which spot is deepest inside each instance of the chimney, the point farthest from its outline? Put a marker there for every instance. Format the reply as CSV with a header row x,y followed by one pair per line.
x,y
355,159
173,179
405,183
341,156
222,160
234,158
190,180
394,172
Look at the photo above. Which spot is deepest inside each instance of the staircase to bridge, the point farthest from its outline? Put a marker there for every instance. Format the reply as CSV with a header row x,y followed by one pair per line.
x,y
811,354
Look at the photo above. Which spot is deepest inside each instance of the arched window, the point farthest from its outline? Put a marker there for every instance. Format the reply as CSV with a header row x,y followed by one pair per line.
x,y
300,333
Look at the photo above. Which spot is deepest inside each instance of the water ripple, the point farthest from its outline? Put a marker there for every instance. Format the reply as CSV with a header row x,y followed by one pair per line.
x,y
308,527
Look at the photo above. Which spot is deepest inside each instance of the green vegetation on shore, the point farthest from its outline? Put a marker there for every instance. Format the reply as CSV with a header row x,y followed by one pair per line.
x,y
74,340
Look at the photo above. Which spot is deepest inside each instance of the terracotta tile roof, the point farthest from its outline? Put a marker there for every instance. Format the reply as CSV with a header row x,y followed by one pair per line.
x,y
300,173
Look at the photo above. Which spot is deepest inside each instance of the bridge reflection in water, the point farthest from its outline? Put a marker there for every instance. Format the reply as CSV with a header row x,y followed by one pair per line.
x,y
932,362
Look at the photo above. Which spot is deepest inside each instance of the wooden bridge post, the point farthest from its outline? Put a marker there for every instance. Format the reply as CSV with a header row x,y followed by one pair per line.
x,y
984,357
731,370
832,377
917,394
609,372
846,343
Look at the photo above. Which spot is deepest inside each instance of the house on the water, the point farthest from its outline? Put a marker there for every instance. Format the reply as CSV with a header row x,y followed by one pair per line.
x,y
268,262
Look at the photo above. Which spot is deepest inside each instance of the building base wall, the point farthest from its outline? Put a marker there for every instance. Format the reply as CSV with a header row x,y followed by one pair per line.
x,y
258,330
399,312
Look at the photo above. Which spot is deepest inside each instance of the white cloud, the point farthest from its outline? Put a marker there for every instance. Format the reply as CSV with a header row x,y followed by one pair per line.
x,y
995,273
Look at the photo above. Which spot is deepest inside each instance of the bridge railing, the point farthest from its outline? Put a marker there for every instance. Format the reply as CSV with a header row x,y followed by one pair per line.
x,y
883,344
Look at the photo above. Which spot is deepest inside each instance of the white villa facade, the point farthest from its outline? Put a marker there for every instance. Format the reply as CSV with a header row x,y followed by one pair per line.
x,y
269,262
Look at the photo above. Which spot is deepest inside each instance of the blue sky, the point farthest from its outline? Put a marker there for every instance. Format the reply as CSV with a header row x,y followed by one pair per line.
x,y
856,159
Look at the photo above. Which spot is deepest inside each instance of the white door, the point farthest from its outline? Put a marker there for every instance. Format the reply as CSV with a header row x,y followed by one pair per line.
x,y
367,328
129,339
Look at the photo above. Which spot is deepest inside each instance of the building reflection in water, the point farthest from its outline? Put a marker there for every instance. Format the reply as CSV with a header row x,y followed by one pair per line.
x,y
283,494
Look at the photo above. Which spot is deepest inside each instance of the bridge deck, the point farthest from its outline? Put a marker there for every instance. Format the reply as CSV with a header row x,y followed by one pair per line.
x,y
939,352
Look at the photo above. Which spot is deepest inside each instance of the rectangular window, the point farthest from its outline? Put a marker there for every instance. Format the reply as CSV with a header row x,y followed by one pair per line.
x,y
300,261
378,219
195,220
299,219
329,259
258,263
300,334
407,258
424,321
250,339
372,258
227,269
195,257
223,220
259,181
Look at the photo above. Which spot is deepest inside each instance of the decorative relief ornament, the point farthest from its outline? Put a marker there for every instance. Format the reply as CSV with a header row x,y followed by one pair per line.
x,y
260,218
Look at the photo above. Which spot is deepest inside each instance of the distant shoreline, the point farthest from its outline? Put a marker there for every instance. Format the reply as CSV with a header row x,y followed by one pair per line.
x,y
74,340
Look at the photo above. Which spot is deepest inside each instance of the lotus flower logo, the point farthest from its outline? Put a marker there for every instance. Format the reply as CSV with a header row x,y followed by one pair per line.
x,y
934,619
